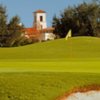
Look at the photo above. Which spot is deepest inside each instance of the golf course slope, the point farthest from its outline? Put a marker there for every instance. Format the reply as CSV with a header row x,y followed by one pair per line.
x,y
75,54
48,70
75,48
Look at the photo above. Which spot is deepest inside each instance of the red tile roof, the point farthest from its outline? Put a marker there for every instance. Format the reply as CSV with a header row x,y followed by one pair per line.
x,y
39,11
32,32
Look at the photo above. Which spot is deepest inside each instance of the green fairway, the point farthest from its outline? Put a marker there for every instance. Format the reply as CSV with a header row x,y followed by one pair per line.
x,y
42,86
44,71
93,67
78,54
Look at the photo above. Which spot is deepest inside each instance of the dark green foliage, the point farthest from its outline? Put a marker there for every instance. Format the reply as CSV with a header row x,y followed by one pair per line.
x,y
10,32
3,20
24,41
84,20
13,26
3,25
15,31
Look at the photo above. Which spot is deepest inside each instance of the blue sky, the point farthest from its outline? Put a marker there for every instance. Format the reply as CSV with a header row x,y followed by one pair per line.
x,y
24,8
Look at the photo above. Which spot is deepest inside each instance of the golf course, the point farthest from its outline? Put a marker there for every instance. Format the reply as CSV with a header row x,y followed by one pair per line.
x,y
45,71
77,54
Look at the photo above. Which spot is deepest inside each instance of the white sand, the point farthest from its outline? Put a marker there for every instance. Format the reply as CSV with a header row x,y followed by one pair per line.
x,y
91,95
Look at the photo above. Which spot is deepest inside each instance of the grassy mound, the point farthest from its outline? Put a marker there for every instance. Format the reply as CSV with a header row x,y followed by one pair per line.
x,y
78,54
73,48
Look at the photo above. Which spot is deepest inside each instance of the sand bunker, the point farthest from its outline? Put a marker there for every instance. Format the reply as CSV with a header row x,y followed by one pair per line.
x,y
83,93
91,95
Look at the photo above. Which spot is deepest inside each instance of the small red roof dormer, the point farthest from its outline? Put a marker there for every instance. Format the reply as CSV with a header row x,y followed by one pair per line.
x,y
39,11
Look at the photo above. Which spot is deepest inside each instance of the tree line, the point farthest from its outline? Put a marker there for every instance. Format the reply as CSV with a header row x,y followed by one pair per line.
x,y
83,20
11,32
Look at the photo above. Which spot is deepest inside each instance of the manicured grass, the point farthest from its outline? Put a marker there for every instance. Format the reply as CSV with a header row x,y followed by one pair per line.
x,y
78,54
42,86
72,49
89,67
44,71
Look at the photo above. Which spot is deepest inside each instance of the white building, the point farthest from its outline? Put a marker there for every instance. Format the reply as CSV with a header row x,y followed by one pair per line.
x,y
40,29
40,19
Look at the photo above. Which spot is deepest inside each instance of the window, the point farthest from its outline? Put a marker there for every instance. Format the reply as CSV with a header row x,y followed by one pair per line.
x,y
41,18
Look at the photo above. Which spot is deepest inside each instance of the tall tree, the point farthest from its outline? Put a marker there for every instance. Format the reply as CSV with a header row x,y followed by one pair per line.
x,y
3,20
15,30
3,24
12,32
84,20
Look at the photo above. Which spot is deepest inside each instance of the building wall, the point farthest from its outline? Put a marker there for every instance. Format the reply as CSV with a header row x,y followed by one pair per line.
x,y
49,36
40,24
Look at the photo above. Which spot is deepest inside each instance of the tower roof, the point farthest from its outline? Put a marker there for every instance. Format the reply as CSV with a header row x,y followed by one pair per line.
x,y
39,11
